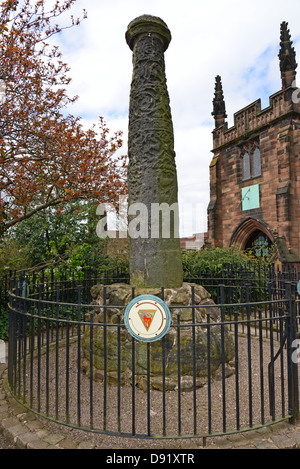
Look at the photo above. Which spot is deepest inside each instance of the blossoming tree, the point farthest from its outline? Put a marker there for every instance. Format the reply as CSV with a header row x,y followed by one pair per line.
x,y
47,158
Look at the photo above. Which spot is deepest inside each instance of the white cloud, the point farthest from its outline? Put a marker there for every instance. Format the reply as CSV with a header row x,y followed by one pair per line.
x,y
237,39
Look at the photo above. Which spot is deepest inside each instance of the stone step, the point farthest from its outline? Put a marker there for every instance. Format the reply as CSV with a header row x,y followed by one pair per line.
x,y
2,351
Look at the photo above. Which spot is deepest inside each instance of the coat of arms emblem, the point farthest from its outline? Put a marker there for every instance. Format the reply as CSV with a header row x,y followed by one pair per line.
x,y
147,316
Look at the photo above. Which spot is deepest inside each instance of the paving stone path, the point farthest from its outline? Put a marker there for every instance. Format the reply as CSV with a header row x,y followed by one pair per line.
x,y
21,429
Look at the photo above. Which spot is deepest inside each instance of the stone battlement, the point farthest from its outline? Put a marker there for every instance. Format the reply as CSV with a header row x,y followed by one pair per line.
x,y
252,118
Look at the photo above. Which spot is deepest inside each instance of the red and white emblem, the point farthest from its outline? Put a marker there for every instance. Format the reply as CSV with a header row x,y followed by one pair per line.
x,y
147,318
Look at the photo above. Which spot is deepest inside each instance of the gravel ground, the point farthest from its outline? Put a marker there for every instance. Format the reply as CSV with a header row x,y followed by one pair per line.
x,y
235,392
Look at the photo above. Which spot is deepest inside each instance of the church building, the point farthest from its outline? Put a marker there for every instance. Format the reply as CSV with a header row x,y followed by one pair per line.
x,y
255,169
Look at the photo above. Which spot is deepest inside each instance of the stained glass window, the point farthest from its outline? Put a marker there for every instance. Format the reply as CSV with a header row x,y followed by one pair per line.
x,y
261,246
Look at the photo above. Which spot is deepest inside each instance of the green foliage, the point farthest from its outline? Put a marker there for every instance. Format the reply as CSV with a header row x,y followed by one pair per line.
x,y
60,240
50,234
4,323
231,268
213,260
13,256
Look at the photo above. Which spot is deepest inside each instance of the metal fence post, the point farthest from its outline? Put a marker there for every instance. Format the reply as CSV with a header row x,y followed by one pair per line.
x,y
293,390
11,333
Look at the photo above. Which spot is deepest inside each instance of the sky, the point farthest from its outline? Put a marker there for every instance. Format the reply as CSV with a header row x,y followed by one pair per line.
x,y
237,39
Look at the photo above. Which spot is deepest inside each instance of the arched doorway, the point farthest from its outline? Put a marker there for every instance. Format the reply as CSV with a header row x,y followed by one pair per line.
x,y
253,234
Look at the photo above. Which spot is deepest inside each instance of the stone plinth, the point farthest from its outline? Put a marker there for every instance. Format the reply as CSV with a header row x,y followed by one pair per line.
x,y
193,339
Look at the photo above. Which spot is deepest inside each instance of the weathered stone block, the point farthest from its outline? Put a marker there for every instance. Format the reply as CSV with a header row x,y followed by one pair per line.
x,y
112,344
2,352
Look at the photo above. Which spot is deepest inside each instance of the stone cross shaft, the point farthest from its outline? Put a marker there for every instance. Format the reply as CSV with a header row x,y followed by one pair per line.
x,y
155,256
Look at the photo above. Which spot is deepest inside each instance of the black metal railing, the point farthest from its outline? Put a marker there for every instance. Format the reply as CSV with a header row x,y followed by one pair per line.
x,y
230,275
56,369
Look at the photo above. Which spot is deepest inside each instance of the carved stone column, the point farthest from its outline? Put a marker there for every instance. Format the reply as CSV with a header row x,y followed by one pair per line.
x,y
155,256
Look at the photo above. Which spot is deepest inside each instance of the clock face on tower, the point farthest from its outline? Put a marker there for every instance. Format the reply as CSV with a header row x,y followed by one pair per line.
x,y
250,197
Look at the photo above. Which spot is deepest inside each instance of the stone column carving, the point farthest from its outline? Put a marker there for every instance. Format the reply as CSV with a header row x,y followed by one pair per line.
x,y
155,256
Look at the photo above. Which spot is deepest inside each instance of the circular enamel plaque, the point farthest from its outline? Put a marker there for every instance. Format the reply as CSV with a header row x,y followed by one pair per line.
x,y
147,318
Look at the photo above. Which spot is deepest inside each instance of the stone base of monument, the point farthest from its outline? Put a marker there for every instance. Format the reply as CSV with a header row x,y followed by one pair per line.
x,y
112,345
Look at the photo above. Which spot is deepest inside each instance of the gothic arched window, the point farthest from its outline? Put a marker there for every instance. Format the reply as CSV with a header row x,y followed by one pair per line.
x,y
251,163
256,163
246,166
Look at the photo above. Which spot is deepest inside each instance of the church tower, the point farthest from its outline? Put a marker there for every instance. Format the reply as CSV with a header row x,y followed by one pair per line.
x,y
255,169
